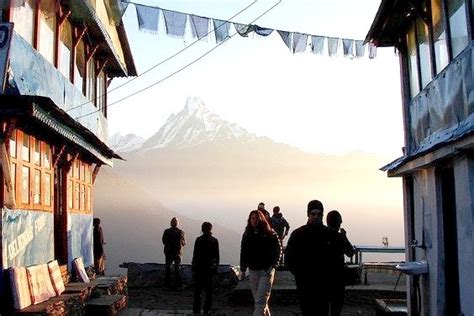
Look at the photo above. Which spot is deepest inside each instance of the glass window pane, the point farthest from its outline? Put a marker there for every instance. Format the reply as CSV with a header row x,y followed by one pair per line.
x,y
47,156
77,195
47,29
47,189
89,197
23,18
76,170
37,153
439,35
25,185
83,196
13,175
88,174
83,172
25,153
79,66
101,91
424,51
13,145
91,80
69,194
65,47
458,25
413,62
37,187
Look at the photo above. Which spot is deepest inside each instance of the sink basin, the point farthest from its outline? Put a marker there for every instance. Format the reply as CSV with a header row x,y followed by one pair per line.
x,y
413,267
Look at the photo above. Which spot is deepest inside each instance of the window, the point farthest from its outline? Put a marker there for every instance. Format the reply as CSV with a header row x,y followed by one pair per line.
x,y
428,54
91,78
413,62
65,48
439,35
79,187
79,67
47,29
423,40
458,25
31,169
24,17
25,185
101,86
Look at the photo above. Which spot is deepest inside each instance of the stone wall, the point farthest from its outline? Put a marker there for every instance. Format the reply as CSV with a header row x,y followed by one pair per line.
x,y
153,274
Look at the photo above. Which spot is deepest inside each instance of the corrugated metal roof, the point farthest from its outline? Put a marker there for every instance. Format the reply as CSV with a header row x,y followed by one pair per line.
x,y
43,112
82,11
390,22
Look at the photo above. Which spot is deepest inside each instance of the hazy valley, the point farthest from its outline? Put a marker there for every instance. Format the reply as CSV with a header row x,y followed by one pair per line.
x,y
204,168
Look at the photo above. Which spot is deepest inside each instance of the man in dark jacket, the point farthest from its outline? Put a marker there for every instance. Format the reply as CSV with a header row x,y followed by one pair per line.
x,y
173,241
341,247
307,256
204,266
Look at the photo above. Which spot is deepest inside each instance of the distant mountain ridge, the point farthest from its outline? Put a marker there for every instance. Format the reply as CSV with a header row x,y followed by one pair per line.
x,y
129,142
192,126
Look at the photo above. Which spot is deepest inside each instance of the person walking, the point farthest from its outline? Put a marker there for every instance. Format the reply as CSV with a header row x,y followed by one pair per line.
x,y
204,266
260,252
307,257
173,241
99,253
341,247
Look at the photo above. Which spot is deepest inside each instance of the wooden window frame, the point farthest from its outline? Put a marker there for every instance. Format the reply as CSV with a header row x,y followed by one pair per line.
x,y
77,175
33,167
428,21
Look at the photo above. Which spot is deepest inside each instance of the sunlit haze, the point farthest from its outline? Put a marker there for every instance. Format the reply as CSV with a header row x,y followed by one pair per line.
x,y
341,118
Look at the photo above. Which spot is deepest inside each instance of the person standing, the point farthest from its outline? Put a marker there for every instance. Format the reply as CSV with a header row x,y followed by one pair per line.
x,y
307,257
259,252
280,224
173,241
204,266
341,247
266,214
99,254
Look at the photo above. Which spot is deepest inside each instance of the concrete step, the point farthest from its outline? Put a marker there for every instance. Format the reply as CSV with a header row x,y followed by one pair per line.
x,y
109,305
168,312
284,290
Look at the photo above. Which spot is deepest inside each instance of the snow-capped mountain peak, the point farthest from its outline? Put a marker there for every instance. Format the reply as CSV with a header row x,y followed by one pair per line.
x,y
195,125
125,143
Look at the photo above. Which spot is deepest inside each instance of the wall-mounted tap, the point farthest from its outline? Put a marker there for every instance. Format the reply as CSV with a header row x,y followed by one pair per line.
x,y
414,244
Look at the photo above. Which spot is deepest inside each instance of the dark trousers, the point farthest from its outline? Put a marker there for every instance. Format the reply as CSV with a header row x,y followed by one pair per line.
x,y
202,283
336,298
177,264
314,300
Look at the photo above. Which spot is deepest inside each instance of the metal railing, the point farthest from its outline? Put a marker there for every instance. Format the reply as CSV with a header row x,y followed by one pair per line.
x,y
386,267
374,249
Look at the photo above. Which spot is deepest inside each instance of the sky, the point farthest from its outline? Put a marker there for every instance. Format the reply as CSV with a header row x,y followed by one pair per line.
x,y
318,103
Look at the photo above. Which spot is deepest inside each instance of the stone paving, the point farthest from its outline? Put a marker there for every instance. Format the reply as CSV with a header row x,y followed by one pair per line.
x,y
158,301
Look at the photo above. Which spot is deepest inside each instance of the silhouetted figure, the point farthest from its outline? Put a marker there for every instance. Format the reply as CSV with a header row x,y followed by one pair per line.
x,y
204,266
99,254
259,252
307,256
173,241
341,247
266,214
280,224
